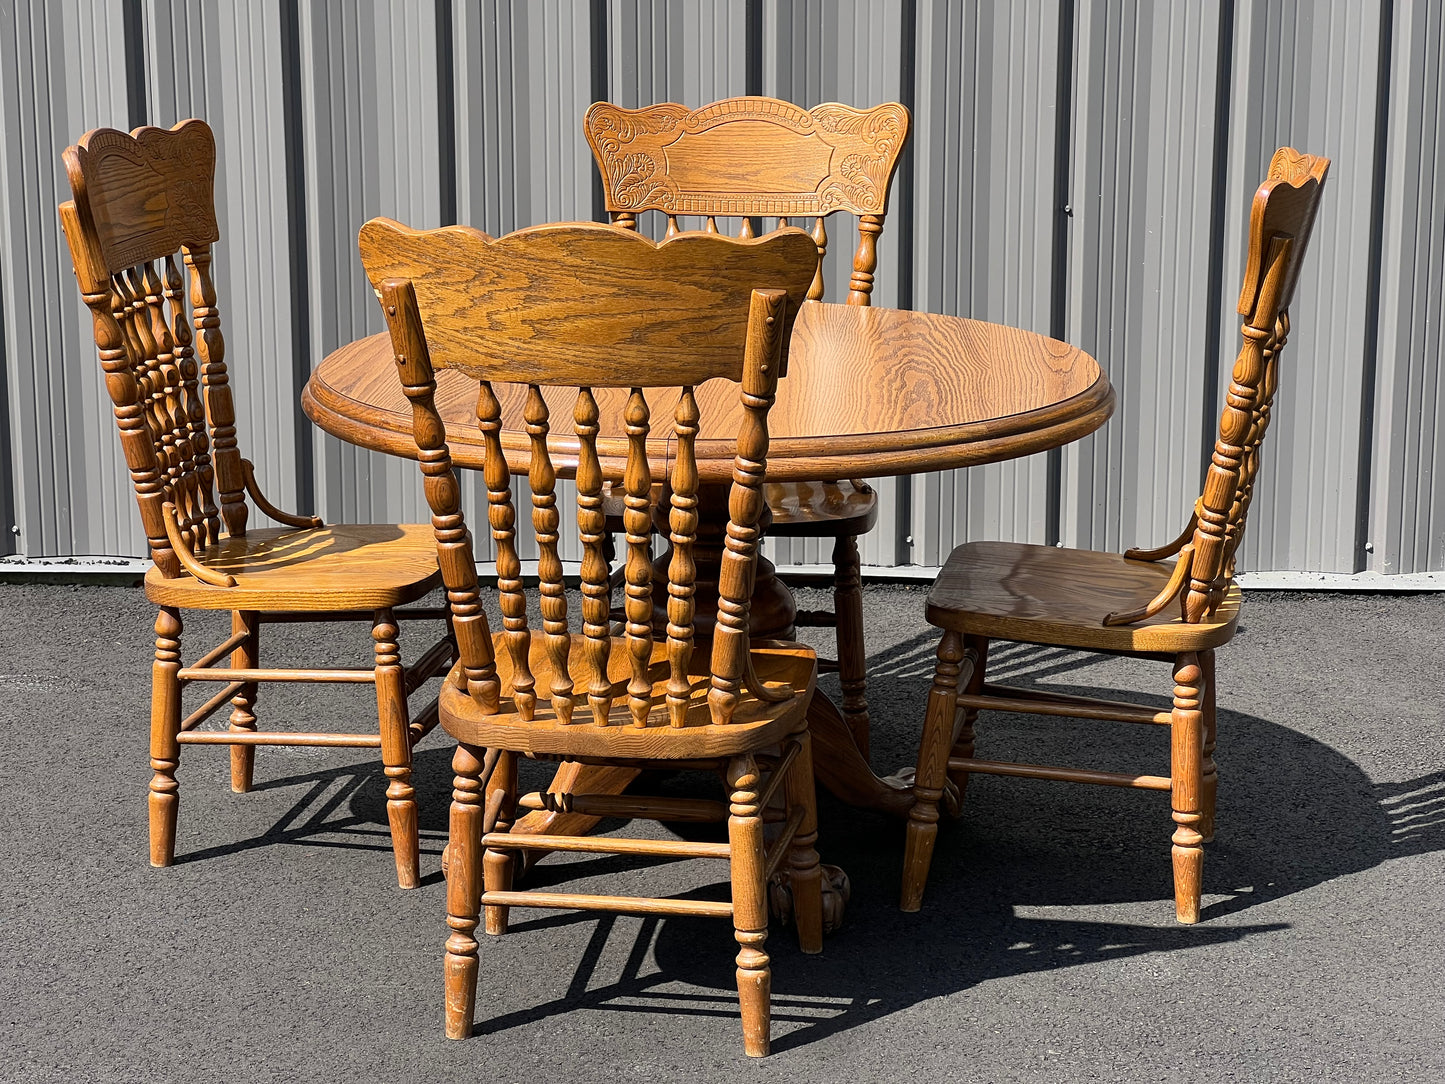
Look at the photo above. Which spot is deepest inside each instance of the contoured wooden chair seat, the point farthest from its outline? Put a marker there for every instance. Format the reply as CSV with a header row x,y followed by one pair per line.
x,y
755,724
1046,595
348,566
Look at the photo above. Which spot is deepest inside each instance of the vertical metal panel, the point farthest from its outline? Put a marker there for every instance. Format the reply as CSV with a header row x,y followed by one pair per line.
x,y
370,111
62,72
1307,75
846,51
224,63
1407,519
327,114
659,51
523,83
984,133
1139,246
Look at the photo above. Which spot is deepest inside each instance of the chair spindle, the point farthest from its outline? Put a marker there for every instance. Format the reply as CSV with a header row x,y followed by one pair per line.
x,y
682,570
543,480
637,521
596,583
503,518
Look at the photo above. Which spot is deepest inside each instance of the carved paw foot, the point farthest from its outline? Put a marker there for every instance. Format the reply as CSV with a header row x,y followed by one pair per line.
x,y
836,891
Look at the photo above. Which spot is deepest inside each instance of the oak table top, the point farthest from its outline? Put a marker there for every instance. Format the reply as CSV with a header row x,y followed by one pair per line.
x,y
868,391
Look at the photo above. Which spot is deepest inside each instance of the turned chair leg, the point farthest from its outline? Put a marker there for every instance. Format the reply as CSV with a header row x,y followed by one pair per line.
x,y
805,873
1186,755
392,718
931,772
976,650
497,865
246,656
1209,782
750,904
464,877
165,725
852,655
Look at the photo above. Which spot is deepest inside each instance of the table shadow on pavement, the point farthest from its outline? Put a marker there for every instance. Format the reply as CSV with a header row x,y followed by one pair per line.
x,y
1293,814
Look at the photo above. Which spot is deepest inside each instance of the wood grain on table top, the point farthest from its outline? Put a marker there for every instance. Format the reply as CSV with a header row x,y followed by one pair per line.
x,y
868,391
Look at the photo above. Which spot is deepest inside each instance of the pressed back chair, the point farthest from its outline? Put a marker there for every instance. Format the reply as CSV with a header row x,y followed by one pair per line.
x,y
143,208
1139,604
753,157
550,314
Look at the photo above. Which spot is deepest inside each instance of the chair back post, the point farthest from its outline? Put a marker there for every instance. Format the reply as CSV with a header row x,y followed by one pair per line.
x,y
1281,219
443,495
761,367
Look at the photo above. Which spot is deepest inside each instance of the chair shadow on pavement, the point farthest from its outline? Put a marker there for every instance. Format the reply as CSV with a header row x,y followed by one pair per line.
x,y
1293,814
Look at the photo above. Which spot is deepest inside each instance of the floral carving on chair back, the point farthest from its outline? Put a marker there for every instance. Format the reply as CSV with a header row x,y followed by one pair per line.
x,y
753,156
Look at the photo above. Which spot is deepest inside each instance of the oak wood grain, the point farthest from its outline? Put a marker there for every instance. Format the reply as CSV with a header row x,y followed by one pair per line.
x,y
868,390
559,304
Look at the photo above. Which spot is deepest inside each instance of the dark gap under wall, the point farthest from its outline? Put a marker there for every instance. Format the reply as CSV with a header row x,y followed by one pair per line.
x,y
1368,385
1059,256
305,467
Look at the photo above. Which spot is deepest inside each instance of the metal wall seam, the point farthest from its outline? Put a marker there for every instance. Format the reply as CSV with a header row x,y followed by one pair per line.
x,y
62,72
1306,75
848,51
1407,515
370,110
224,64
1139,261
984,151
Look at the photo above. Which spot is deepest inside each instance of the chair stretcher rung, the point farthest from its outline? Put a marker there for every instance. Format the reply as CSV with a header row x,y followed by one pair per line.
x,y
246,737
605,845
633,905
779,773
206,710
424,722
435,660
779,849
225,647
357,675
1072,707
1066,775
694,810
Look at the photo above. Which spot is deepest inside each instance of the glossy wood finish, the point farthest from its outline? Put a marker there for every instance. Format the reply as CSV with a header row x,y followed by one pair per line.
x,y
365,565
900,392
1142,603
884,391
143,209
648,698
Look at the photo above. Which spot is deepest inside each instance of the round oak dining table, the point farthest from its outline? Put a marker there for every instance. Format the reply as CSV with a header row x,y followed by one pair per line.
x,y
866,392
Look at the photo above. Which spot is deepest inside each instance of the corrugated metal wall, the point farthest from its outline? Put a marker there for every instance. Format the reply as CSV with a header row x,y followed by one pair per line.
x,y
1079,167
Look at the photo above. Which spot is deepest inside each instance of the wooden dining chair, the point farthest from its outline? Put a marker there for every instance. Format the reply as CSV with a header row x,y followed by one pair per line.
x,y
1141,604
752,157
549,314
140,202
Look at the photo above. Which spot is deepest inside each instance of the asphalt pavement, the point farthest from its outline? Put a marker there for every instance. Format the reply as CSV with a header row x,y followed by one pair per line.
x,y
279,948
